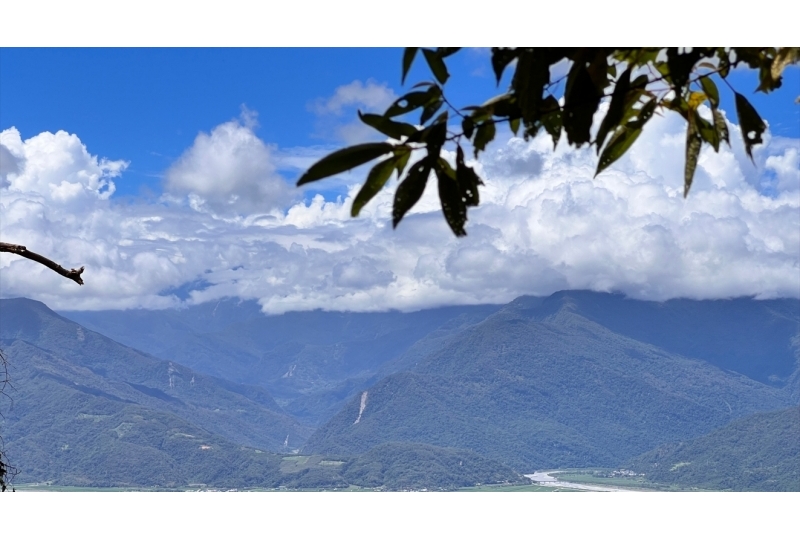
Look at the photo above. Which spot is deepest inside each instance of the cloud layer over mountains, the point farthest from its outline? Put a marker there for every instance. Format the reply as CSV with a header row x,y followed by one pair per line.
x,y
230,223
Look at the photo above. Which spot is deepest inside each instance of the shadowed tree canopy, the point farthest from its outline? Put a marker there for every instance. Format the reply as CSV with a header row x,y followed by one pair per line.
x,y
635,82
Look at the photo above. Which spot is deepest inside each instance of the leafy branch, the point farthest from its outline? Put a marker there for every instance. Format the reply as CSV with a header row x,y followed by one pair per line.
x,y
654,79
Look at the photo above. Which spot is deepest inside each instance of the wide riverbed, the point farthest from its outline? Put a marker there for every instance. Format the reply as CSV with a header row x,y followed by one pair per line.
x,y
543,478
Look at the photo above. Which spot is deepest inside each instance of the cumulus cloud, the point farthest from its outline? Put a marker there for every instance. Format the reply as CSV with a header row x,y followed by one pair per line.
x,y
544,224
369,97
229,170
56,167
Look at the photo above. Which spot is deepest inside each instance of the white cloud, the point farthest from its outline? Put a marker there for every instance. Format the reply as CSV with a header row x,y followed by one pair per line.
x,y
544,224
369,97
55,166
229,171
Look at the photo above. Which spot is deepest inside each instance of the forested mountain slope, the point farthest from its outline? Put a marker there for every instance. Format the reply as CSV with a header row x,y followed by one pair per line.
x,y
535,387
311,362
760,452
51,358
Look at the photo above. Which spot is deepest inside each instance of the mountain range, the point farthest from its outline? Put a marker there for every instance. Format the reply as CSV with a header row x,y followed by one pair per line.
x,y
571,380
538,385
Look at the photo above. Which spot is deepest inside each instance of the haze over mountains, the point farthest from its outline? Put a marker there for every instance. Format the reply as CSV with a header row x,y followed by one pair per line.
x,y
757,452
538,385
574,379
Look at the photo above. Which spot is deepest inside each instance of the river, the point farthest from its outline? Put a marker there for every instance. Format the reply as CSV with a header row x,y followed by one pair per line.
x,y
543,478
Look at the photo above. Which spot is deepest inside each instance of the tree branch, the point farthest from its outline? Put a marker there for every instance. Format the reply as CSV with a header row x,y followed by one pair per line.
x,y
22,251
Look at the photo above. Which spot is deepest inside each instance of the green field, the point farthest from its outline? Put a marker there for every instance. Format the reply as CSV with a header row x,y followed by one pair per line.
x,y
514,488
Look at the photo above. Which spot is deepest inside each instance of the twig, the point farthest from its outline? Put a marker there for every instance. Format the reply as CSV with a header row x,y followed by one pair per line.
x,y
22,251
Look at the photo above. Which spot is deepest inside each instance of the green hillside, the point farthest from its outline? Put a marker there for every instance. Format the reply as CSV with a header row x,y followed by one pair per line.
x,y
86,441
554,391
757,338
437,399
760,452
89,412
311,362
398,466
46,349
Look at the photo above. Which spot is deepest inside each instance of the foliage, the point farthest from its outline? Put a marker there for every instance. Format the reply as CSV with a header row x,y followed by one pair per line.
x,y
399,466
760,452
637,83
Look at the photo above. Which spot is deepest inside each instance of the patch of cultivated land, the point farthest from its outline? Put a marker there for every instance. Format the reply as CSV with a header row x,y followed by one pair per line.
x,y
516,488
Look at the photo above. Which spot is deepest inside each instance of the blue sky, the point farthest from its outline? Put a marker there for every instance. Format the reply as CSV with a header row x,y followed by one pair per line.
x,y
147,105
169,174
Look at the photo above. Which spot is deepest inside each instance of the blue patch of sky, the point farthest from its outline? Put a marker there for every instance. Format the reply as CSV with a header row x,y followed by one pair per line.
x,y
184,291
146,106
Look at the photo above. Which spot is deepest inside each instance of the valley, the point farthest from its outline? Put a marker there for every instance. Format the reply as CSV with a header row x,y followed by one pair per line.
x,y
686,394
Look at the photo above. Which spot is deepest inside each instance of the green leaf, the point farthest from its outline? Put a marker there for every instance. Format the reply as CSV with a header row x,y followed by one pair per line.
x,y
412,101
625,136
581,100
429,110
513,124
468,180
395,130
785,57
751,123
483,136
444,52
662,68
770,72
707,131
376,179
552,123
613,117
453,207
344,160
720,126
530,78
408,59
679,105
506,107
681,64
693,145
711,91
501,57
402,153
468,126
437,66
410,189
640,82
724,64
620,141
435,135
647,112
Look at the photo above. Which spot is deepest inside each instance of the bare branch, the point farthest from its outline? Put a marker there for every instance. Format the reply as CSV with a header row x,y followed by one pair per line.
x,y
22,251
7,471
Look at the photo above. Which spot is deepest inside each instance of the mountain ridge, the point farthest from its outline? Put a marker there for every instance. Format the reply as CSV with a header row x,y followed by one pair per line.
x,y
528,365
